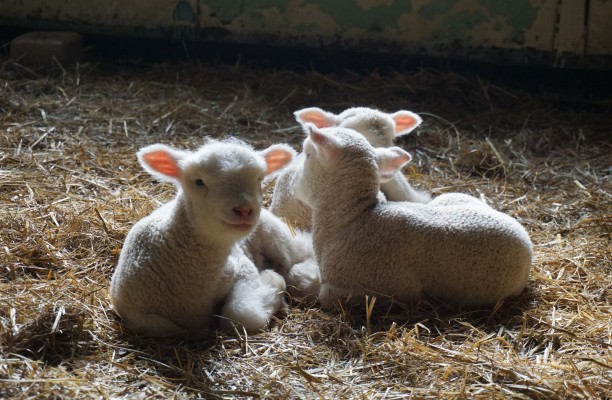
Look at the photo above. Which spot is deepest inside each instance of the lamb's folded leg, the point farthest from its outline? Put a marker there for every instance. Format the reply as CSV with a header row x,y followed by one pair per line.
x,y
253,300
273,245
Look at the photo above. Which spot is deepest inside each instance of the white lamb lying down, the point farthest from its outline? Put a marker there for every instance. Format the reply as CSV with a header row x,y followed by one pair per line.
x,y
455,248
180,266
379,128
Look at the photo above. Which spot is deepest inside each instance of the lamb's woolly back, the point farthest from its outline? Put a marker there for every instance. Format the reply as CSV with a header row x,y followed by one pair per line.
x,y
458,250
180,263
379,128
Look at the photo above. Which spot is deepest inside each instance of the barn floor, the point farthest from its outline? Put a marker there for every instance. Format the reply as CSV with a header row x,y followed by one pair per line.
x,y
71,188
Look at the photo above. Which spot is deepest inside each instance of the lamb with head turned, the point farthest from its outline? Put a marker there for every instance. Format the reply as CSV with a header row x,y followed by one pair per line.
x,y
378,128
184,263
455,248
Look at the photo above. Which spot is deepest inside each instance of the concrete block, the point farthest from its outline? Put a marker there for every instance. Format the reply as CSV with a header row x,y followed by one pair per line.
x,y
40,48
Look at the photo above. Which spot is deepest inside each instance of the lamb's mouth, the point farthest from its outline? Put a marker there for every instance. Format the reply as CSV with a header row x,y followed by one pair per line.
x,y
240,226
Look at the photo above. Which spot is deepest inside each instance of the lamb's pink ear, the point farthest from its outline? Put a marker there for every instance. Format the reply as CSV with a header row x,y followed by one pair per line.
x,y
390,160
405,122
314,115
327,145
161,161
277,156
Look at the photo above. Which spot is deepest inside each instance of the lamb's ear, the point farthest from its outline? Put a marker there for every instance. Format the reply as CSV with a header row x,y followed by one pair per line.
x,y
161,161
390,160
277,156
314,115
405,122
327,146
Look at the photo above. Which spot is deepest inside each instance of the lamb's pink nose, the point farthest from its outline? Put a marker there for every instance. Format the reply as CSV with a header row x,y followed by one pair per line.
x,y
243,211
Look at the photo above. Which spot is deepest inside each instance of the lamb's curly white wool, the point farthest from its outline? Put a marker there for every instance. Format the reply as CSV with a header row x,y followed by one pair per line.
x,y
455,248
272,244
379,128
181,265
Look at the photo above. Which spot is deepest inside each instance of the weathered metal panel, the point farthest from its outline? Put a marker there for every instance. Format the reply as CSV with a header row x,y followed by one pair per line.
x,y
154,17
548,32
424,22
570,41
599,35
541,35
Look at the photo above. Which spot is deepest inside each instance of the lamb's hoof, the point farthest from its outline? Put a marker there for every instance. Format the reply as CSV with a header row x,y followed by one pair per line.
x,y
304,279
273,279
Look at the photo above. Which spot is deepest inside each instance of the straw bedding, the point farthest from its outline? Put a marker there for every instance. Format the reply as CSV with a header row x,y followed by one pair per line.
x,y
71,189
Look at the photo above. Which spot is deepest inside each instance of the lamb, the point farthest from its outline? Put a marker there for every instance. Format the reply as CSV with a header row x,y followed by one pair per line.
x,y
181,265
457,249
378,128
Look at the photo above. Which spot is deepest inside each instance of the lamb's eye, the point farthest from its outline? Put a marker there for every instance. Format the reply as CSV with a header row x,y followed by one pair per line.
x,y
199,183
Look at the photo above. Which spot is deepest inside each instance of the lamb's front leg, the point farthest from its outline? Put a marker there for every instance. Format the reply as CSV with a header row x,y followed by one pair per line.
x,y
331,295
304,278
293,256
398,189
253,300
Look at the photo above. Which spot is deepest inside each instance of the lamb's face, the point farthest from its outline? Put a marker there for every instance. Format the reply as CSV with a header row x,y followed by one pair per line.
x,y
220,183
222,186
377,127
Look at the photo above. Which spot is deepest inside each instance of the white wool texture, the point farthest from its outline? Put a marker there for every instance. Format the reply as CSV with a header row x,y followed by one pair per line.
x,y
182,265
272,244
379,129
455,248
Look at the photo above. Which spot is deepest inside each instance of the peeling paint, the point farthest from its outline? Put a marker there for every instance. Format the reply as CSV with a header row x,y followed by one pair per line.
x,y
542,31
366,5
432,9
348,15
433,26
519,15
456,25
107,13
295,18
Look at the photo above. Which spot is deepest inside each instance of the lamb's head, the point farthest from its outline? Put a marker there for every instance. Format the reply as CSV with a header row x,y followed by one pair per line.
x,y
378,127
340,161
220,183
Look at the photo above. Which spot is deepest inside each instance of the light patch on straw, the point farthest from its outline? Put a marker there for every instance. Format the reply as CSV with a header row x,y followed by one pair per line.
x,y
58,316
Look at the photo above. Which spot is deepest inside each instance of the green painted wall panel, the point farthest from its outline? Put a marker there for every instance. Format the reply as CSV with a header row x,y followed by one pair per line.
x,y
473,22
543,29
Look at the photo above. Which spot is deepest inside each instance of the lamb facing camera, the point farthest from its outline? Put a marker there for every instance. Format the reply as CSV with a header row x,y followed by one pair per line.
x,y
455,248
182,265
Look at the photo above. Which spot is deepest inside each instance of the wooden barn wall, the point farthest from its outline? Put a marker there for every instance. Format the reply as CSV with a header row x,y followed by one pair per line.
x,y
561,33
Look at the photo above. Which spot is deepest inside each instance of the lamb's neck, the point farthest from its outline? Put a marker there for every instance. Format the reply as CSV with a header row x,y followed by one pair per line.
x,y
348,201
195,237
